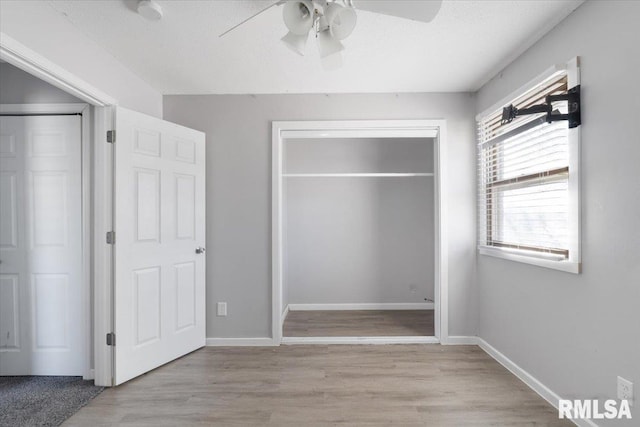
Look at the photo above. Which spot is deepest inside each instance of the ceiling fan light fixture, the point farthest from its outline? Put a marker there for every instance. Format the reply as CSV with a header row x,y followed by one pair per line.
x,y
298,16
341,20
296,42
327,45
150,10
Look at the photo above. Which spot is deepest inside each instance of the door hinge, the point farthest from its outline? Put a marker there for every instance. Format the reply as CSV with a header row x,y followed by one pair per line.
x,y
111,136
111,339
111,237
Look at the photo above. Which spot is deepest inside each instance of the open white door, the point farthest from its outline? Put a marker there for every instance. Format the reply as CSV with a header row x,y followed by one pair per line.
x,y
159,290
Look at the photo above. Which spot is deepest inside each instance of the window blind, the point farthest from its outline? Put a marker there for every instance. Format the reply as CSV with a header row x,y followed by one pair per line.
x,y
523,182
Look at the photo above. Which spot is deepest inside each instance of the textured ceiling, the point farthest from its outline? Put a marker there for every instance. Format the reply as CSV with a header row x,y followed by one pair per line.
x,y
467,42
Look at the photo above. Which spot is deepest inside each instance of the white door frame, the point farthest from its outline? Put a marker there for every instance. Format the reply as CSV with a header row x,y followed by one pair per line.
x,y
436,129
26,59
85,111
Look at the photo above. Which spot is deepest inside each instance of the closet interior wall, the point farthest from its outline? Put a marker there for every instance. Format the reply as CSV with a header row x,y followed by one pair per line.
x,y
359,221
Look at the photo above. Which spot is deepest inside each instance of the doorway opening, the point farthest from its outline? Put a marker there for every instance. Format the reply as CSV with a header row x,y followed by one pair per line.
x,y
53,92
168,179
46,343
357,245
44,240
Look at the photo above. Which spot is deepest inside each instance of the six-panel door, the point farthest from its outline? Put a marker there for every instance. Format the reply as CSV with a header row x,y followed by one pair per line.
x,y
159,224
41,246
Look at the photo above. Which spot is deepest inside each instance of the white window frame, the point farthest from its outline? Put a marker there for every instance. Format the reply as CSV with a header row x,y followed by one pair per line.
x,y
574,262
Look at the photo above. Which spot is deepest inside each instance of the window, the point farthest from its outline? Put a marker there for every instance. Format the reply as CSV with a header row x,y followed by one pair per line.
x,y
528,182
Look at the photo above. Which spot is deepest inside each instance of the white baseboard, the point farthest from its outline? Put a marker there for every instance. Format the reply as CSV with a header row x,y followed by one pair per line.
x,y
359,340
545,392
240,342
363,306
284,314
460,340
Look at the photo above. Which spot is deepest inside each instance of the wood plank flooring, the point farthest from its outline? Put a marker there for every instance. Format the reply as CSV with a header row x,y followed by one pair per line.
x,y
359,323
318,386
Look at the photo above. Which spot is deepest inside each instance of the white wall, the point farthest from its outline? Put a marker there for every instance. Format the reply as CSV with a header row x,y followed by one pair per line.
x,y
19,87
39,27
238,129
359,240
576,333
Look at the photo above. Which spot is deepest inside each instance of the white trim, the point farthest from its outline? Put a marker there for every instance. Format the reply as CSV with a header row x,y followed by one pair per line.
x,y
566,266
361,129
545,392
441,291
285,312
575,208
85,204
390,128
240,342
277,257
360,340
102,253
42,108
363,306
35,64
355,175
86,237
462,340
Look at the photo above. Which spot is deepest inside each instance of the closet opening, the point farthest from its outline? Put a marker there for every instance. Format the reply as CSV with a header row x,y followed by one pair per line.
x,y
357,214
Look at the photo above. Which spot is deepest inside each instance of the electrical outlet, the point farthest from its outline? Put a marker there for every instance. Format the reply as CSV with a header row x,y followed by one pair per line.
x,y
222,309
625,390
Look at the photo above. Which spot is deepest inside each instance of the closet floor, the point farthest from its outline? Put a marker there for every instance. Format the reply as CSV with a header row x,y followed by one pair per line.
x,y
359,323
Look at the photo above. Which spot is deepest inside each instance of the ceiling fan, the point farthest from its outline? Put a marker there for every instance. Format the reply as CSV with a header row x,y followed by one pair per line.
x,y
334,20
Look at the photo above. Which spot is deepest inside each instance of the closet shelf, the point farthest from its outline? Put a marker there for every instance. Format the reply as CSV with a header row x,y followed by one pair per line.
x,y
354,175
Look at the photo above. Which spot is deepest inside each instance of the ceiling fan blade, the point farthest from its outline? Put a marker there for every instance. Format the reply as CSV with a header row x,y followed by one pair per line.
x,y
275,3
416,10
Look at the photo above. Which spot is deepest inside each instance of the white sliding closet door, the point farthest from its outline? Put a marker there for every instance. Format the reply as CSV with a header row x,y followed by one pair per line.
x,y
41,330
159,228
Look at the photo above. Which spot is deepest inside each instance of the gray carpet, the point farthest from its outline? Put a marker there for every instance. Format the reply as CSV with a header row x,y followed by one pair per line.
x,y
42,401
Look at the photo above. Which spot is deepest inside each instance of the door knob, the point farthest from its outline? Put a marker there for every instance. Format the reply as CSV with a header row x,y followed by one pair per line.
x,y
200,250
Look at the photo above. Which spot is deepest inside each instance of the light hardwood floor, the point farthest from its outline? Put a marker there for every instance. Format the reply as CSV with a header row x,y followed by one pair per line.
x,y
314,386
359,323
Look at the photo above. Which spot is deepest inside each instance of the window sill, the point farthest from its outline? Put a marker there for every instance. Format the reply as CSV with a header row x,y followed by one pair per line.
x,y
540,261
